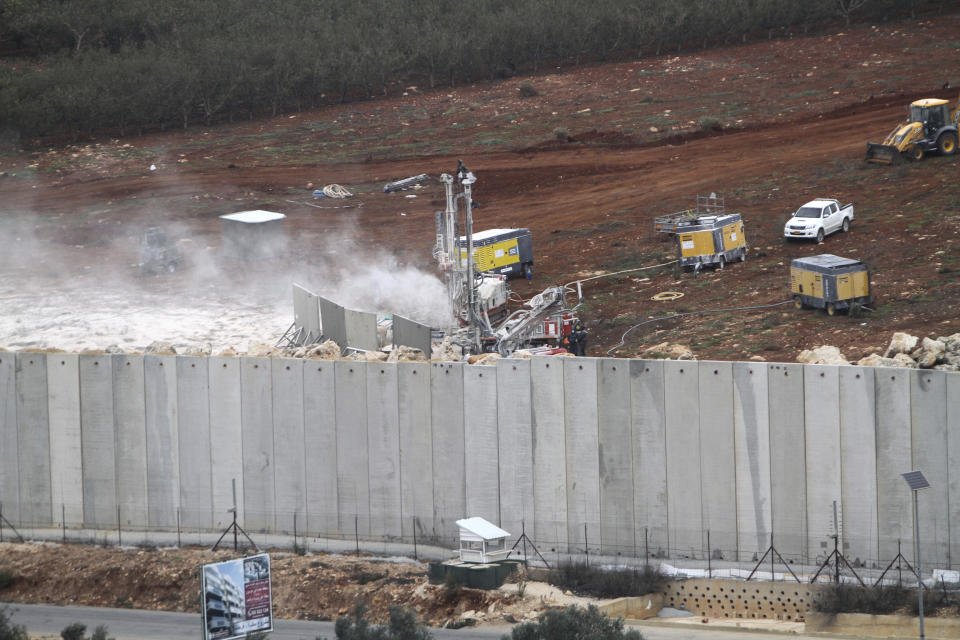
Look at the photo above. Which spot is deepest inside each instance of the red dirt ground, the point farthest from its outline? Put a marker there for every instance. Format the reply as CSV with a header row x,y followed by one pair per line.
x,y
769,125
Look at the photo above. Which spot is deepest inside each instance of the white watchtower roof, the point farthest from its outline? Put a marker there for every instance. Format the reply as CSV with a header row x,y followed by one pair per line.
x,y
481,528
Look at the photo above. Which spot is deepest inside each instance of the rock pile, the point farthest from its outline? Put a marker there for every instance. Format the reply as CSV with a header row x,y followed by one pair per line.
x,y
905,350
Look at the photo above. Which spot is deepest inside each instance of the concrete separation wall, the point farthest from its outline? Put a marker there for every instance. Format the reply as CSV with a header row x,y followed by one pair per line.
x,y
618,458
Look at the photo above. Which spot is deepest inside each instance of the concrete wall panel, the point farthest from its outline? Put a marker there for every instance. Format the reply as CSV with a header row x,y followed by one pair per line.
x,y
9,436
449,477
416,449
226,439
289,470
894,507
648,425
130,415
681,389
549,453
320,446
788,474
34,439
97,438
256,417
412,334
953,453
858,447
928,416
193,432
582,444
163,448
361,328
353,470
333,321
515,441
306,314
480,441
66,465
822,428
617,534
383,446
718,469
751,420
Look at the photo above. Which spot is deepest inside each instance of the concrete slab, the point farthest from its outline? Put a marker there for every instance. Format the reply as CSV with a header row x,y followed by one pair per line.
x,y
34,440
549,453
256,417
66,464
788,466
193,436
515,442
648,426
412,334
9,435
953,453
449,477
685,515
333,321
481,446
894,505
306,314
353,467
718,468
130,415
361,328
383,450
289,470
928,417
821,385
226,438
858,451
615,455
163,448
320,446
751,423
416,450
582,446
97,438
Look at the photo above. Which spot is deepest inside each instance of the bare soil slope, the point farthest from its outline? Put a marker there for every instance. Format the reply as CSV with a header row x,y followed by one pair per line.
x,y
586,164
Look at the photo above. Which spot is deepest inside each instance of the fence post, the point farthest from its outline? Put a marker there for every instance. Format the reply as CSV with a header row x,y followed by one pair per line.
x,y
178,527
709,556
1,522
294,531
646,548
415,538
63,520
119,536
586,543
356,531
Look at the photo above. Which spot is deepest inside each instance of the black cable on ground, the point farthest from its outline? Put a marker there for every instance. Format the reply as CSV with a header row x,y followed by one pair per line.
x,y
693,313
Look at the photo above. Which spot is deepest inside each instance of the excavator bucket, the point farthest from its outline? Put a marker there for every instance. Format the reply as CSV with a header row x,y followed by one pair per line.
x,y
882,153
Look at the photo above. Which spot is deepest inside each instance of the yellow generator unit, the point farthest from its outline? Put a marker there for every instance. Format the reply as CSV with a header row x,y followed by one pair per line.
x,y
830,282
931,126
711,240
506,252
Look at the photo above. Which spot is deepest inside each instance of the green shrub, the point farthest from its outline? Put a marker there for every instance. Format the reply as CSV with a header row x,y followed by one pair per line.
x,y
527,90
573,623
7,578
846,598
403,625
76,630
583,579
562,134
9,631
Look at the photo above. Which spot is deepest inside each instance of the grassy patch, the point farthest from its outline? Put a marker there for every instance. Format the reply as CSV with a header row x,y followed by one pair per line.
x,y
583,579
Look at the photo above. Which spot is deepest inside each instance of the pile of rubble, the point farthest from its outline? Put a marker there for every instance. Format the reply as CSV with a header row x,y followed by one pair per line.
x,y
905,350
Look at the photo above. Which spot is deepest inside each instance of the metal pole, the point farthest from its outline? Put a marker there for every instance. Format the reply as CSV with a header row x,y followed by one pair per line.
x,y
63,520
415,538
586,542
709,557
772,552
916,557
646,548
1,522
294,531
178,526
523,536
119,537
233,482
356,531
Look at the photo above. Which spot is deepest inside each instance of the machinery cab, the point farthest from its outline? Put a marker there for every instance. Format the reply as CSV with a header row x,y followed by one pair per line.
x,y
932,113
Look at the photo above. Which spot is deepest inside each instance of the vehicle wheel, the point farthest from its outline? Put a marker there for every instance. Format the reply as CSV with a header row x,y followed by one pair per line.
x,y
915,153
722,263
528,271
947,143
846,225
743,257
819,236
831,309
797,302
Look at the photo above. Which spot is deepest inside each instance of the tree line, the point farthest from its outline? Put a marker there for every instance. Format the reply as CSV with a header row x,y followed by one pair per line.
x,y
73,67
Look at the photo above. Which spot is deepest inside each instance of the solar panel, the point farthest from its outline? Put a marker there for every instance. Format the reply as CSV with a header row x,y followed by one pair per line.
x,y
916,480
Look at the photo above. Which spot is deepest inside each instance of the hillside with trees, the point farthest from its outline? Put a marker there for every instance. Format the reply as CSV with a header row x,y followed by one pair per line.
x,y
74,67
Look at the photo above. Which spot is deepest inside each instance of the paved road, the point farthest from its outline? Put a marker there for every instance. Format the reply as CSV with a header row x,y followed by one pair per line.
x,y
133,624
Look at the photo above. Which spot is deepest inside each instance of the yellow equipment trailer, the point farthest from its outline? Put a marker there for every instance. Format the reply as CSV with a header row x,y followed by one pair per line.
x,y
711,240
830,282
507,252
931,127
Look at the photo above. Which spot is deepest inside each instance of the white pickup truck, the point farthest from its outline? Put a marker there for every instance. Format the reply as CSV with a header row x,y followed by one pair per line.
x,y
819,218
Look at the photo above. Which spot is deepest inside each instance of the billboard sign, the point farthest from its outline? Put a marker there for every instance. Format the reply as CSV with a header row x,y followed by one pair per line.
x,y
237,598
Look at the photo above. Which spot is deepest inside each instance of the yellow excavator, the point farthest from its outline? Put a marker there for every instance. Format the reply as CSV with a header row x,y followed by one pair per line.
x,y
931,127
